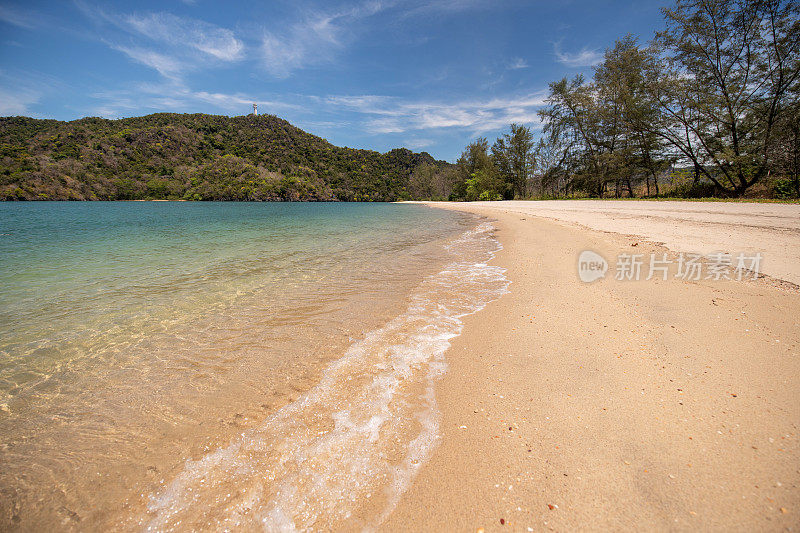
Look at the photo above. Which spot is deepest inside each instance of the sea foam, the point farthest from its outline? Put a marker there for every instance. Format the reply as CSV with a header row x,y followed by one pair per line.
x,y
341,455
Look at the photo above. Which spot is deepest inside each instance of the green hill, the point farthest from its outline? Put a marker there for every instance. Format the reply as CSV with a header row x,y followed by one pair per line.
x,y
192,157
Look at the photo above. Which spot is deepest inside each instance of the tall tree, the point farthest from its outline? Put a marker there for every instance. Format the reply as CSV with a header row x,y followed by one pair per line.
x,y
513,154
725,84
477,175
552,154
785,144
622,85
567,118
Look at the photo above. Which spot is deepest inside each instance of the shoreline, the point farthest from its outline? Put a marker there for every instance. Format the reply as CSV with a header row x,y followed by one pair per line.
x,y
242,349
613,405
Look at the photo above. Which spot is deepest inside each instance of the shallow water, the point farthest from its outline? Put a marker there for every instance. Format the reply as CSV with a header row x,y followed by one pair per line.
x,y
199,366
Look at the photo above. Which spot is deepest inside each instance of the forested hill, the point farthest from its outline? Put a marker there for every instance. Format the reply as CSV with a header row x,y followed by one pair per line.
x,y
193,157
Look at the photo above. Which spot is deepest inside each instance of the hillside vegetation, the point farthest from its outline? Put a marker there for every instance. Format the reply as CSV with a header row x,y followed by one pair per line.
x,y
193,157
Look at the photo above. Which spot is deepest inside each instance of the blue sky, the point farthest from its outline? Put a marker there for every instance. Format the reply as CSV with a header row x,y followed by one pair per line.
x,y
375,74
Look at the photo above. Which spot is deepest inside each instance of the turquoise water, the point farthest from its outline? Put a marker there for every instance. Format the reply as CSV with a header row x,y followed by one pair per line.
x,y
135,337
70,274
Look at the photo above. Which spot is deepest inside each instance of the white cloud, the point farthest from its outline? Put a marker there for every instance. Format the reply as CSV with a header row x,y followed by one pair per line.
x,y
241,102
393,115
305,43
587,57
16,102
386,125
282,55
416,143
174,96
167,66
217,42
315,39
518,64
320,35
22,89
426,7
419,120
16,17
169,44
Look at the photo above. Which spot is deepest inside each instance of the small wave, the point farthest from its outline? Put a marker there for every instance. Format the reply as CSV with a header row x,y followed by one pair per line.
x,y
340,456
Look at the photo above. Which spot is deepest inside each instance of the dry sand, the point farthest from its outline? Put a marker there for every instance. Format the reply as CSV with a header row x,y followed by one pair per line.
x,y
702,227
666,405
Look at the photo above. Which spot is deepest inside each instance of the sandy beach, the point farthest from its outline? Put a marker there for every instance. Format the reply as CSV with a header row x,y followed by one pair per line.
x,y
626,405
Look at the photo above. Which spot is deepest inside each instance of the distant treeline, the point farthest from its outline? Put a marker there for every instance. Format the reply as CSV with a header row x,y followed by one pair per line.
x,y
711,107
194,157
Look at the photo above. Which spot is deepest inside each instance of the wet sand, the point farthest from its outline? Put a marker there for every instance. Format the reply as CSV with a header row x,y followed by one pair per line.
x,y
666,405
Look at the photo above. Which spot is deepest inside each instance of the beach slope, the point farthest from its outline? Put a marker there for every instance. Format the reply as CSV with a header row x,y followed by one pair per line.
x,y
650,404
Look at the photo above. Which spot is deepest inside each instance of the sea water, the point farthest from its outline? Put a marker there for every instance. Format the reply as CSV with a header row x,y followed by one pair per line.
x,y
202,366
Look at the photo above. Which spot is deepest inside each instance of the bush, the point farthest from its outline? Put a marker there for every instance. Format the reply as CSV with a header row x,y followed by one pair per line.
x,y
784,189
701,189
490,196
